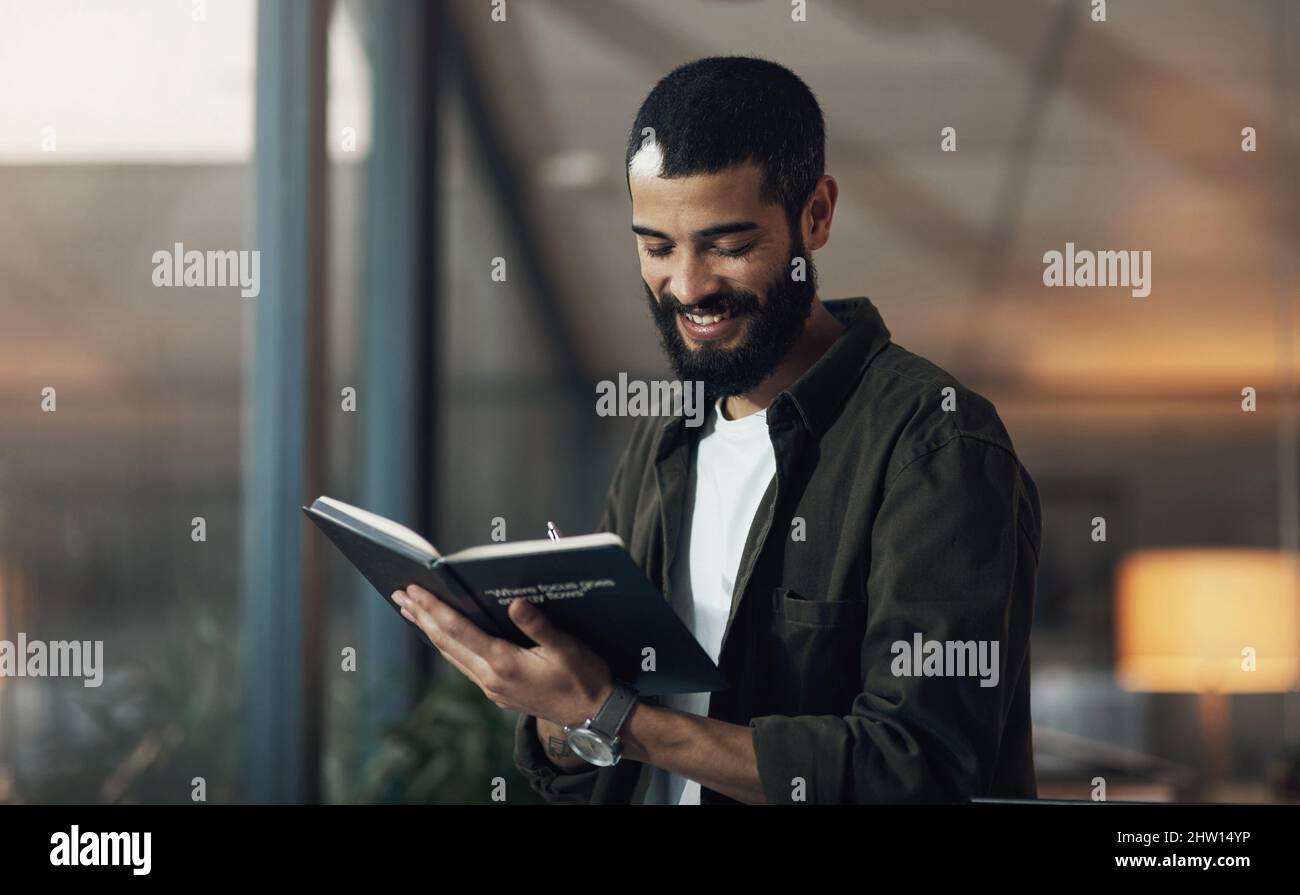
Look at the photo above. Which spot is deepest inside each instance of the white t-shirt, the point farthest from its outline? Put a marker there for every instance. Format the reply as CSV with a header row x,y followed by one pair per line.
x,y
734,464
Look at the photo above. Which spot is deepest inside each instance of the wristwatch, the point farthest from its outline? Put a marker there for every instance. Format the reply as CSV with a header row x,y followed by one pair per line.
x,y
596,741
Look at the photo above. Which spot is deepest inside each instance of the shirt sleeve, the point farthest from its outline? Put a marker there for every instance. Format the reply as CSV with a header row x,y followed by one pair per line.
x,y
550,782
953,557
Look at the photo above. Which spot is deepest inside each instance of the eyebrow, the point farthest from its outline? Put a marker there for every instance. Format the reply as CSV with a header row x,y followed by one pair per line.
x,y
706,233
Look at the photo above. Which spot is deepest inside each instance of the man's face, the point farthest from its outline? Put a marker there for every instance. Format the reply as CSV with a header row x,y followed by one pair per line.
x,y
716,266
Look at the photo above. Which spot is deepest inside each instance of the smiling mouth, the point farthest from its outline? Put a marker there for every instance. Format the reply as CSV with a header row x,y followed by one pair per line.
x,y
705,319
710,327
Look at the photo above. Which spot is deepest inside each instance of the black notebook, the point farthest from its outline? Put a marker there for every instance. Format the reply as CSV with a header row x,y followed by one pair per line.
x,y
588,585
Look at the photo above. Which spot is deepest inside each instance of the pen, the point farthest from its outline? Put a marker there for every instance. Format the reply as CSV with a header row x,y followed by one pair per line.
x,y
552,532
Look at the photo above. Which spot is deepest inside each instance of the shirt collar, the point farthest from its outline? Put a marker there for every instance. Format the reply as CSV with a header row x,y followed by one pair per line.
x,y
819,394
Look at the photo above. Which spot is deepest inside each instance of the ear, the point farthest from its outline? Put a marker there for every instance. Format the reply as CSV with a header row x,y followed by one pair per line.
x,y
816,218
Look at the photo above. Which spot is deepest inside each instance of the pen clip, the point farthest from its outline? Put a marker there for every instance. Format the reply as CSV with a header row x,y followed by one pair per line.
x,y
552,532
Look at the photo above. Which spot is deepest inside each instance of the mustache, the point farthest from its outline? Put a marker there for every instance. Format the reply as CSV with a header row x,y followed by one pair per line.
x,y
714,304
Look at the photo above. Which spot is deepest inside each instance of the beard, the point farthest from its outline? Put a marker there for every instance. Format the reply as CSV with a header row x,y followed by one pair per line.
x,y
771,328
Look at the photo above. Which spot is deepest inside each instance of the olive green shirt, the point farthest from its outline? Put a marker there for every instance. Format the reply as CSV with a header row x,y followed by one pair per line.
x,y
899,515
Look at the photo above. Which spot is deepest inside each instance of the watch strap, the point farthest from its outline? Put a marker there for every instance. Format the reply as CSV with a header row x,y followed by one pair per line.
x,y
618,705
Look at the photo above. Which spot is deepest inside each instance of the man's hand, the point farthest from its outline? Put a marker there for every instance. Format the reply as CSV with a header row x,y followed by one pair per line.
x,y
562,682
559,680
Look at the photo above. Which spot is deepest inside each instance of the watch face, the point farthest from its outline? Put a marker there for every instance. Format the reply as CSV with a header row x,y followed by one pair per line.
x,y
592,747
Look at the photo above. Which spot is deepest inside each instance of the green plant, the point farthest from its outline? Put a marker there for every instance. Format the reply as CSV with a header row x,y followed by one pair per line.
x,y
448,751
168,712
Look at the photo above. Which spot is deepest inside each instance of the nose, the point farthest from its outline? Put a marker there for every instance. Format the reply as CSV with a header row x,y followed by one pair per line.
x,y
694,282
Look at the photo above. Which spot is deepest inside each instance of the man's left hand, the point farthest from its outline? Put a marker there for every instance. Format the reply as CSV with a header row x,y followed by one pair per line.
x,y
559,679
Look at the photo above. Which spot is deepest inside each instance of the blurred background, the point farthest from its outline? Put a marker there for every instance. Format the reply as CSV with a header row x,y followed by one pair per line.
x,y
380,154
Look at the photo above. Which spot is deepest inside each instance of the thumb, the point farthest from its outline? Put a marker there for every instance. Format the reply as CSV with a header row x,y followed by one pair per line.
x,y
533,622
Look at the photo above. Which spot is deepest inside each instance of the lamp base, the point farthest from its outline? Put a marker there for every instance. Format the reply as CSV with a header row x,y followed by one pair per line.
x,y
1213,710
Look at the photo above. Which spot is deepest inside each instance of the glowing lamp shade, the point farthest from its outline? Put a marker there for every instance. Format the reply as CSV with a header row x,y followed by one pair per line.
x,y
1194,621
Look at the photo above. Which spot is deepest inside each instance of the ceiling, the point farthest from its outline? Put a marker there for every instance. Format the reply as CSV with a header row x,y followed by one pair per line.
x,y
1123,134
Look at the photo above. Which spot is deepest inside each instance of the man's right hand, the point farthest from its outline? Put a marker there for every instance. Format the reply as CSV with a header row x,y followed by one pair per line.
x,y
556,747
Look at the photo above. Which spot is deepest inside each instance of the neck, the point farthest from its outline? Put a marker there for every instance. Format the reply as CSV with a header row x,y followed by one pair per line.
x,y
819,333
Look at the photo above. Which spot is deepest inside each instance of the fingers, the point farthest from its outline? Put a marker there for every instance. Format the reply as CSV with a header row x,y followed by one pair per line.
x,y
533,622
456,664
482,657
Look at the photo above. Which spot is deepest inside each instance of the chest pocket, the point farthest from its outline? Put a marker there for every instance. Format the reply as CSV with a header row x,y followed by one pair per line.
x,y
817,646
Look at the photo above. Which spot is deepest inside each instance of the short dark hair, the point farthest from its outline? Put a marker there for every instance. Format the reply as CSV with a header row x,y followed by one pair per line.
x,y
721,111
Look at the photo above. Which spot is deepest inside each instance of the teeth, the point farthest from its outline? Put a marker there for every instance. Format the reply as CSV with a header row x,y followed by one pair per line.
x,y
706,319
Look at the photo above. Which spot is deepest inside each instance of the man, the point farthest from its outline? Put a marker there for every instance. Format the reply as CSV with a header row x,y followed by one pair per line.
x,y
850,536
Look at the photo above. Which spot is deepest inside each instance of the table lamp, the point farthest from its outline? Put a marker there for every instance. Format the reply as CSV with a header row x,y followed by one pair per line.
x,y
1210,621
